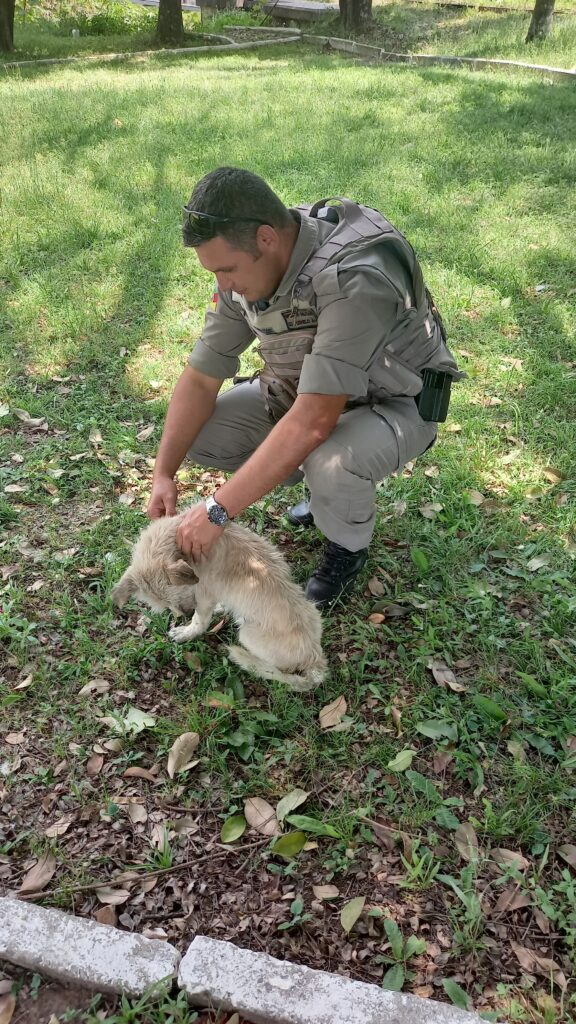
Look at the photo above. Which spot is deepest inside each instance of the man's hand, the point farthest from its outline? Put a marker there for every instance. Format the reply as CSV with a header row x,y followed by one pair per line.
x,y
163,498
196,534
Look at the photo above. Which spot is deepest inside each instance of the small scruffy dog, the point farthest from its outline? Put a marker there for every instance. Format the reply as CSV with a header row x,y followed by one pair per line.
x,y
279,630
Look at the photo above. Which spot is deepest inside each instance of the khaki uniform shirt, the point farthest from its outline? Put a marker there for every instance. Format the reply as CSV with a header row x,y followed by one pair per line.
x,y
353,310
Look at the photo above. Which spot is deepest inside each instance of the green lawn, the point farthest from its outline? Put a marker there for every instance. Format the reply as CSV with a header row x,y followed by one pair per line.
x,y
428,28
472,567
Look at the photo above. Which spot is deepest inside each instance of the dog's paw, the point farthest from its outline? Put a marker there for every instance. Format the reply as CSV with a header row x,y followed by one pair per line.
x,y
180,634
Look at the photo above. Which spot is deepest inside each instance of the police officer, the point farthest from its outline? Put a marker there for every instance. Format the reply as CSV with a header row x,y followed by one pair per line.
x,y
347,333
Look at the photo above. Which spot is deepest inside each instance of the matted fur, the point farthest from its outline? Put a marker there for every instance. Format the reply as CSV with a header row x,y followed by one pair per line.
x,y
279,629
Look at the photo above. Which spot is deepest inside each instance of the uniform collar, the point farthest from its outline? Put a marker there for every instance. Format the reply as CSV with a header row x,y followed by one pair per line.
x,y
310,236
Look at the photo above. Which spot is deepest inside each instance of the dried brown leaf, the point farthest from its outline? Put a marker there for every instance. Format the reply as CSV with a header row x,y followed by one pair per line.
x,y
261,816
60,827
7,1007
376,587
333,713
568,853
325,892
509,858
94,765
106,915
510,900
181,752
137,812
140,773
466,842
39,875
112,897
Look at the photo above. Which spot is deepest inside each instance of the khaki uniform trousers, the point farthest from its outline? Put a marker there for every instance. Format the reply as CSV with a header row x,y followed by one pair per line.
x,y
367,444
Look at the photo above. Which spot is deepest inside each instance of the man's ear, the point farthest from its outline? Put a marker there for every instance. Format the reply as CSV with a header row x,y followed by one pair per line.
x,y
181,573
124,589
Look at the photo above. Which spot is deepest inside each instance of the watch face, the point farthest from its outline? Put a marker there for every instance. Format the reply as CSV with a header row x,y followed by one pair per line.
x,y
217,515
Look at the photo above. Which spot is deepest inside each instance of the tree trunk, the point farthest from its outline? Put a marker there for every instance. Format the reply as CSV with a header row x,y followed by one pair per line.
x,y
541,21
7,25
355,14
170,26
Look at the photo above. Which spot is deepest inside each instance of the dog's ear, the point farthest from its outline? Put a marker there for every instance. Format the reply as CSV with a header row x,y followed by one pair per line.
x,y
181,573
124,589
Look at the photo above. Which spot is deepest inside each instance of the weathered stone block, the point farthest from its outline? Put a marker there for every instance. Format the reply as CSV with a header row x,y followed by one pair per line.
x,y
270,991
72,949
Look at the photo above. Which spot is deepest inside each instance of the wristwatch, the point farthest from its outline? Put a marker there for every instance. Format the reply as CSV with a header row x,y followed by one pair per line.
x,y
217,514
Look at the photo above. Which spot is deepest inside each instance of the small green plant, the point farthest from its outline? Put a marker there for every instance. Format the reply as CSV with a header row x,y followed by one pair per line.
x,y
156,1006
421,867
400,953
467,920
298,918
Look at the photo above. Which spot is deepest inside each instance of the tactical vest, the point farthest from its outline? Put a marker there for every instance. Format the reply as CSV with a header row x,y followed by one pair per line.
x,y
286,339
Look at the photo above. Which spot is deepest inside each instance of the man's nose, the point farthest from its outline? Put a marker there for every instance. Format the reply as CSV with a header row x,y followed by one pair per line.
x,y
224,282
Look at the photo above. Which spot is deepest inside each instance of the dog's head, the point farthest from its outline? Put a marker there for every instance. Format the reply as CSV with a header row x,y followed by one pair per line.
x,y
158,574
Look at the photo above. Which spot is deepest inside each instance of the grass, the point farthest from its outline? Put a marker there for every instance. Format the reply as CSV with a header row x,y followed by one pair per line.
x,y
425,28
100,305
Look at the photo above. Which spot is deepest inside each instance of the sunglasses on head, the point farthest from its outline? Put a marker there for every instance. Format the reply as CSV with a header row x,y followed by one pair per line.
x,y
204,224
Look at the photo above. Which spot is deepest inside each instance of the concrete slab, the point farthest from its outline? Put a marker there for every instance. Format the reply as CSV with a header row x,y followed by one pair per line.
x,y
270,991
72,949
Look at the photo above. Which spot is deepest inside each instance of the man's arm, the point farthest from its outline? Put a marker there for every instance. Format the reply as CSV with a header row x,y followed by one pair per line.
x,y
190,408
308,423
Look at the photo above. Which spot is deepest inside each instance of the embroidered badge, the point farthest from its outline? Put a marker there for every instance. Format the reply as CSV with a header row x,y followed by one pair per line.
x,y
296,319
214,302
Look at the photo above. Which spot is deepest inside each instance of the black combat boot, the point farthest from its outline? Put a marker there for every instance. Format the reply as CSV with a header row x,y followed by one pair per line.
x,y
335,574
300,514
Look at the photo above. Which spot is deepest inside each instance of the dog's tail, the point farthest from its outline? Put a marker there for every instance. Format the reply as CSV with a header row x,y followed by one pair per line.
x,y
300,682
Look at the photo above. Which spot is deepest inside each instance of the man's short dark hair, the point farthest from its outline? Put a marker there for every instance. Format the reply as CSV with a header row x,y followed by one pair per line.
x,y
243,200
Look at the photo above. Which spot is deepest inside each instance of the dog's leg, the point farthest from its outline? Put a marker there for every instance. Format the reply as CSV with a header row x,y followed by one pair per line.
x,y
199,624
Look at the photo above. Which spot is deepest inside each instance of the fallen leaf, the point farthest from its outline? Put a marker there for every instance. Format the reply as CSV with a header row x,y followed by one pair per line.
x,y
510,900
112,897
376,587
136,721
28,420
60,827
94,765
25,683
106,915
466,842
147,432
474,497
568,853
261,816
454,428
350,913
332,714
402,761
95,686
290,802
4,409
14,489
538,562
376,618
181,752
233,828
15,738
290,844
554,475
137,812
542,921
95,437
140,773
509,858
7,1006
127,498
430,508
325,892
39,875
444,676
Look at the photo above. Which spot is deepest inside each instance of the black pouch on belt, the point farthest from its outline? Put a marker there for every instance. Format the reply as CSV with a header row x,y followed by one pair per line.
x,y
434,399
